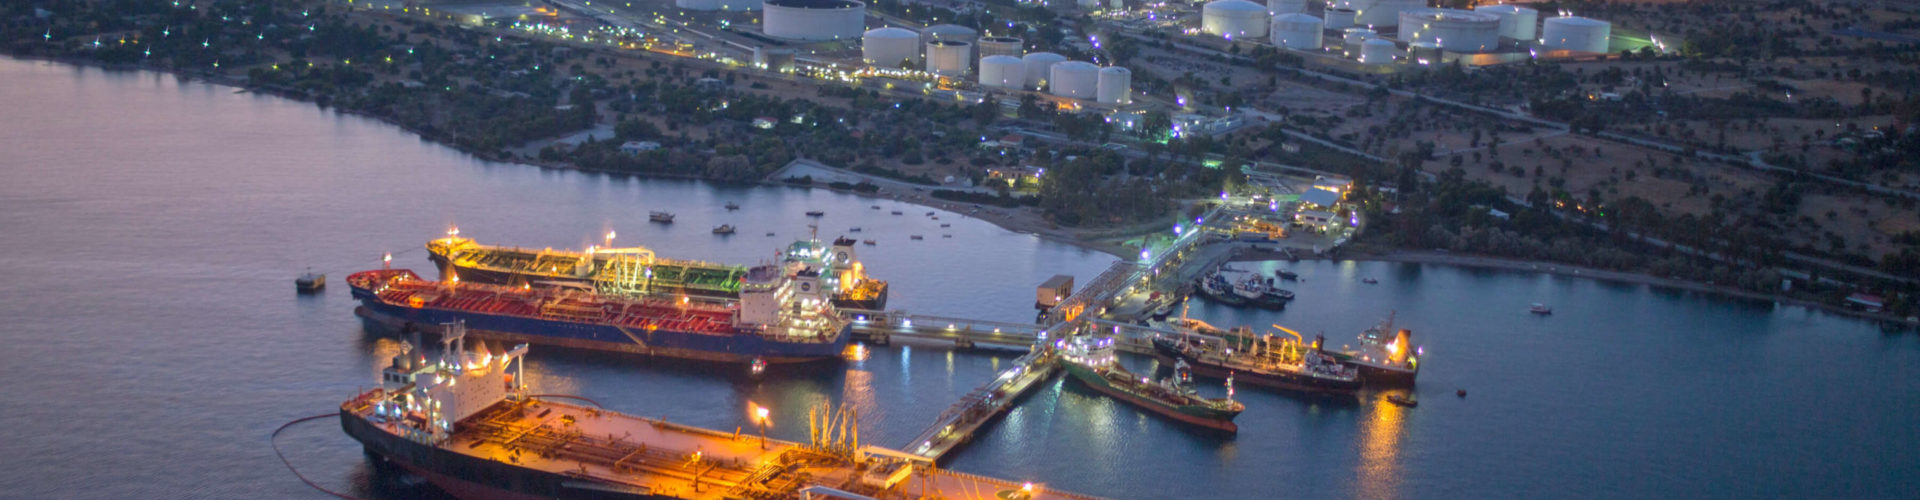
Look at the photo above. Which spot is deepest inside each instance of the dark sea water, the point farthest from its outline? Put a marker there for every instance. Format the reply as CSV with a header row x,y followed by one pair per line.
x,y
150,230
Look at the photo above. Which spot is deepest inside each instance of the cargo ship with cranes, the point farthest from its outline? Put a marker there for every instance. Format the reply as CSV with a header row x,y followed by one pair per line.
x,y
1264,360
470,424
781,316
639,272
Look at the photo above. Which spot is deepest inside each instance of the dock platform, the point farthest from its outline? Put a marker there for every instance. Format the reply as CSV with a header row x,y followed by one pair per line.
x,y
958,424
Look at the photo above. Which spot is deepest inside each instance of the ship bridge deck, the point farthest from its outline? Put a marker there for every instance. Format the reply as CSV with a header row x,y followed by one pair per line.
x,y
686,462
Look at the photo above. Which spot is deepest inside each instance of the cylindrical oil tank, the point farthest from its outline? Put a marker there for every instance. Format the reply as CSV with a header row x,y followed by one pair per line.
x,y
1000,46
1116,86
1002,72
1423,52
1234,19
1040,68
1377,51
948,32
1576,34
1076,79
888,47
1516,22
1296,31
1454,30
813,19
697,4
1351,38
1278,7
1339,18
1379,13
949,57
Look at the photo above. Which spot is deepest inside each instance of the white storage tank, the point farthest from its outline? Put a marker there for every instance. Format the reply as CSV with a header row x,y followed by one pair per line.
x,y
1454,30
1002,72
1379,13
1296,31
813,19
1351,38
1278,7
1000,46
1575,33
948,32
1423,52
949,57
1040,68
1516,22
1339,18
1234,19
1377,51
1116,86
888,47
1075,79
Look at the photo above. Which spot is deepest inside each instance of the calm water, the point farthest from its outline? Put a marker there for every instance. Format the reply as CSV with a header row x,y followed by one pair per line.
x,y
151,229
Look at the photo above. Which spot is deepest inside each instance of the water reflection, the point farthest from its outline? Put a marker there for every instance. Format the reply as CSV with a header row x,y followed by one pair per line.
x,y
1379,469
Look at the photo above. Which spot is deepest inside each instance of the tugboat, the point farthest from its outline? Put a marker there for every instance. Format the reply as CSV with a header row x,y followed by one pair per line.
x,y
733,206
310,282
723,229
1216,288
1540,309
1264,360
1091,362
816,213
1402,400
1286,275
660,217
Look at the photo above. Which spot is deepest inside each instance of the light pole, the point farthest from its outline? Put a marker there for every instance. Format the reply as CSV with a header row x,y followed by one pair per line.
x,y
760,417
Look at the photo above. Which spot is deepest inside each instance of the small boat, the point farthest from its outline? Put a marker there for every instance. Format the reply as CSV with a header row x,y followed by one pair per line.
x,y
310,282
815,213
758,367
769,234
854,229
660,217
946,236
723,229
946,225
916,237
1540,309
936,217
876,207
869,242
1286,275
1461,393
1370,281
896,212
929,214
1402,400
733,206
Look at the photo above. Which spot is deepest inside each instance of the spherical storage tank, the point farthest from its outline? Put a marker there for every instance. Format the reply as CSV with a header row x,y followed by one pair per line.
x,y
813,19
1234,19
1377,51
1296,31
1002,72
1040,68
1575,33
1278,7
887,47
1516,22
1454,30
1339,18
999,46
1378,13
949,57
1116,85
1076,79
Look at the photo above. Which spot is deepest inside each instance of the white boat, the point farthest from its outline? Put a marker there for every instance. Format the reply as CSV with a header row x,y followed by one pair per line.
x,y
1540,309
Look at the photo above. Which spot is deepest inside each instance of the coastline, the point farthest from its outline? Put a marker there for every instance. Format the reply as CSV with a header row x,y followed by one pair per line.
x,y
1486,262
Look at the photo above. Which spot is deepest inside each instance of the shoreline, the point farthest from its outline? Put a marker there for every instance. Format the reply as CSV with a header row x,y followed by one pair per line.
x,y
1504,264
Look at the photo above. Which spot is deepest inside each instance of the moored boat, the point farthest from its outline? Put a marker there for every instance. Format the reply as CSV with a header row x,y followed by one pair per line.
x,y
790,328
1540,309
1385,356
723,229
1281,363
816,213
660,217
310,282
1091,362
733,206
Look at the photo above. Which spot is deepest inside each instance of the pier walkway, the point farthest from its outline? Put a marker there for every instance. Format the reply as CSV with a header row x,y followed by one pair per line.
x,y
880,327
958,424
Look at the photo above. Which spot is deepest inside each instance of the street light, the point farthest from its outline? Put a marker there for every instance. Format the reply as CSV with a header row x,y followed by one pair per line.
x,y
760,417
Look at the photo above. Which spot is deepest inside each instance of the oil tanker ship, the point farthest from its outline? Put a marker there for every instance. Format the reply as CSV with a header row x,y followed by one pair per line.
x,y
781,317
1281,363
637,271
468,424
1092,363
1385,356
